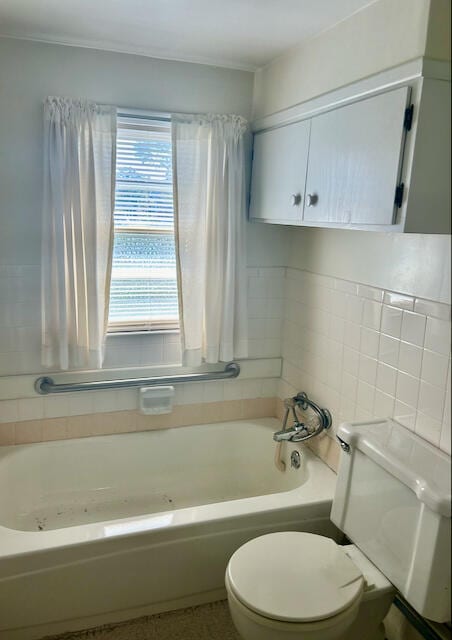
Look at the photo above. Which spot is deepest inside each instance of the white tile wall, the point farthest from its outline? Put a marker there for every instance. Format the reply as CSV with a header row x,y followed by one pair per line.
x,y
20,351
20,317
20,324
367,353
265,310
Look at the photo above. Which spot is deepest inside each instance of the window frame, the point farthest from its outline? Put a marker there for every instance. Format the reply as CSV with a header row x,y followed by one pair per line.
x,y
161,325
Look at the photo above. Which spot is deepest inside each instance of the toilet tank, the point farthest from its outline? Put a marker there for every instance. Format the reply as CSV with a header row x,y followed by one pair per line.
x,y
393,500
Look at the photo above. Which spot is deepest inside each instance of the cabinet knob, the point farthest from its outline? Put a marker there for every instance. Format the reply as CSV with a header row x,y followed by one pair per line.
x,y
312,199
296,199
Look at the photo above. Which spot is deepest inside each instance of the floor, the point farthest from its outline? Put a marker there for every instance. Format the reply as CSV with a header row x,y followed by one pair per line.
x,y
207,622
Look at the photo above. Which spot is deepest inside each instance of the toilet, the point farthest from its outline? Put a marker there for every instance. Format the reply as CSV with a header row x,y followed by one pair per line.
x,y
393,502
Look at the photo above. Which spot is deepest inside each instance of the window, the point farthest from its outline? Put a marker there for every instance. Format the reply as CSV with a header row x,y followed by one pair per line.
x,y
143,293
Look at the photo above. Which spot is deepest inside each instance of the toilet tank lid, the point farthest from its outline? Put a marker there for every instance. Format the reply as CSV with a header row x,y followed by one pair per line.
x,y
419,465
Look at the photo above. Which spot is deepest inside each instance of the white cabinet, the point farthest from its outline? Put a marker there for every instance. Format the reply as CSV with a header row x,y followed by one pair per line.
x,y
279,173
355,161
373,156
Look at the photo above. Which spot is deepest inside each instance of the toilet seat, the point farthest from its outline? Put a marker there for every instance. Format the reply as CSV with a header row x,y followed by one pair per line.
x,y
294,577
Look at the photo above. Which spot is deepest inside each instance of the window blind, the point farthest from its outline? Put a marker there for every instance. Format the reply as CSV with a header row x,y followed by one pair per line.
x,y
143,292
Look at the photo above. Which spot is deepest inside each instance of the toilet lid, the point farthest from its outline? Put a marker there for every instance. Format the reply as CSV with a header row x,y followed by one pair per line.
x,y
293,576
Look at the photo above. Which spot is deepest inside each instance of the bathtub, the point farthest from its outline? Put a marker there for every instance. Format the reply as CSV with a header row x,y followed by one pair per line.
x,y
107,528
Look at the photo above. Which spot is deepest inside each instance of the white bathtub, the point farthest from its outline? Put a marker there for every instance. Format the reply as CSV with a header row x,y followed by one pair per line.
x,y
107,528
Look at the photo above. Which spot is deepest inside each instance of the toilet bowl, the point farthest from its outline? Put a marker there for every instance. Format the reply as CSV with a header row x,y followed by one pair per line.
x,y
301,586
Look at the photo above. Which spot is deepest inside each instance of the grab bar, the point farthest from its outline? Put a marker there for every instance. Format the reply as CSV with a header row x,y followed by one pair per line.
x,y
45,385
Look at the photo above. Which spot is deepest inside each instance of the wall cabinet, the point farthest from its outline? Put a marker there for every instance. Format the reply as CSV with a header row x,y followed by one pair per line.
x,y
354,161
278,188
363,163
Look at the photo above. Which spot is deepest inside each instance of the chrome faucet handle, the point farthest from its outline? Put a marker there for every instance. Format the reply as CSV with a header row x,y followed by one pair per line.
x,y
283,435
298,430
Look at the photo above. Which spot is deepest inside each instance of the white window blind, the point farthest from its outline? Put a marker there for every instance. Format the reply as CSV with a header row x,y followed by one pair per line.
x,y
143,293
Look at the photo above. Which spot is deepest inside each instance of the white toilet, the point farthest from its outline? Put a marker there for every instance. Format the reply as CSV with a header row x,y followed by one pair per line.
x,y
393,501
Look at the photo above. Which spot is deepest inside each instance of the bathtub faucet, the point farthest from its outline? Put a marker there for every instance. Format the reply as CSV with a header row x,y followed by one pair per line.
x,y
297,433
300,431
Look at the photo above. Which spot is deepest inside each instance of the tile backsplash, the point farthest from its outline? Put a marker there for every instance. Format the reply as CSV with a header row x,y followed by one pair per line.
x,y
126,421
20,319
368,353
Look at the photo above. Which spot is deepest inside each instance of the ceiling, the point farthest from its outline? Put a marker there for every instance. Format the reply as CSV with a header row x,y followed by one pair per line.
x,y
244,34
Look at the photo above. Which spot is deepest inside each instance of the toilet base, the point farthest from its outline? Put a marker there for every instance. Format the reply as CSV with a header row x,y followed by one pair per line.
x,y
369,622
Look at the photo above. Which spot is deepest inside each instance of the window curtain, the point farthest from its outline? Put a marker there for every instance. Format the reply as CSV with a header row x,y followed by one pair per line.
x,y
77,231
210,212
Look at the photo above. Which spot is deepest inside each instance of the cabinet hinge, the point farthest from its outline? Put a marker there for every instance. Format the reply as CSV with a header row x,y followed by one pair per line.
x,y
408,119
399,195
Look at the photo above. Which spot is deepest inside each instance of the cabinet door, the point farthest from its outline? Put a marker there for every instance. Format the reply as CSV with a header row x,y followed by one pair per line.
x,y
279,173
355,161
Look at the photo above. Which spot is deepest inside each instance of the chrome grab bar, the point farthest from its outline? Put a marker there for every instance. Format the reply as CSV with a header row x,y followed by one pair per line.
x,y
45,385
323,415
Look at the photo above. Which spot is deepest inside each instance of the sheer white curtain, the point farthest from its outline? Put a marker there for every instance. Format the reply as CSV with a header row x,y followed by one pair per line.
x,y
210,209
77,231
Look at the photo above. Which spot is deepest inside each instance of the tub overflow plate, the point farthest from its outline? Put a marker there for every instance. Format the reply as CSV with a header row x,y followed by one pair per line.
x,y
295,459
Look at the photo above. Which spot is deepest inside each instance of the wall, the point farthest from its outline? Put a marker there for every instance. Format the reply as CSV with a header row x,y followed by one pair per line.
x,y
26,417
378,37
28,73
415,264
365,353
371,325
439,30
